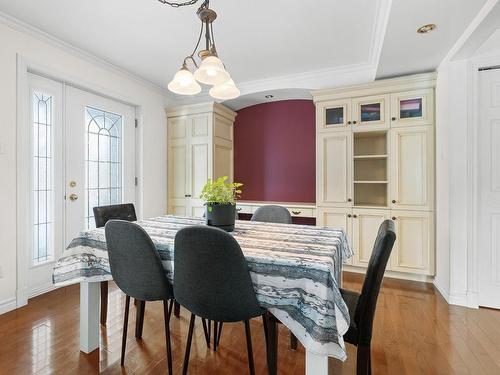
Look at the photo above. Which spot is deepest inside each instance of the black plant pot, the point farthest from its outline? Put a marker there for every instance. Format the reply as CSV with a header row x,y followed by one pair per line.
x,y
221,215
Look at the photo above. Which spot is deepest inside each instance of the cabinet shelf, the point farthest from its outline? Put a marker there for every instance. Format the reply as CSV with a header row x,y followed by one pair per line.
x,y
369,157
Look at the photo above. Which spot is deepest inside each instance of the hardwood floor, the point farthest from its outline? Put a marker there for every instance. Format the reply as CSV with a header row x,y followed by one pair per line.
x,y
415,332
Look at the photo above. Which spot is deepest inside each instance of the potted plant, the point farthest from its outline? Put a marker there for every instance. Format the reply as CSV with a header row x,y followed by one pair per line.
x,y
220,196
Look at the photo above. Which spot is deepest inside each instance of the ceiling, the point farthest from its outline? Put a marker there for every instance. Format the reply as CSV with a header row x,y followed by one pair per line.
x,y
266,45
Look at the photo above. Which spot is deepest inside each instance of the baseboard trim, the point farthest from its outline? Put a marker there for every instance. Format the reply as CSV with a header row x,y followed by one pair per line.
x,y
392,274
7,305
442,291
458,299
42,289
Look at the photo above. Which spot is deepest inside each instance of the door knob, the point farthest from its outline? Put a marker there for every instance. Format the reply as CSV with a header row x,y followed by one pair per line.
x,y
73,197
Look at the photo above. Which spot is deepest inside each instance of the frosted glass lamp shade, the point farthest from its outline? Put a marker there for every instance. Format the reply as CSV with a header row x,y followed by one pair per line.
x,y
184,83
211,71
225,91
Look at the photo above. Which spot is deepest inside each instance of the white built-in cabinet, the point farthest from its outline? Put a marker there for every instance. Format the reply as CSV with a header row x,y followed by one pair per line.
x,y
375,161
200,146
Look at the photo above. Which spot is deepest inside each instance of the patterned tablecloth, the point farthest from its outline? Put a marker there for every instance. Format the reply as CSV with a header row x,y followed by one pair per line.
x,y
295,271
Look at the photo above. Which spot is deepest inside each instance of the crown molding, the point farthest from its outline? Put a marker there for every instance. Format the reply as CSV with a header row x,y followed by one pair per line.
x,y
18,25
469,31
388,85
379,31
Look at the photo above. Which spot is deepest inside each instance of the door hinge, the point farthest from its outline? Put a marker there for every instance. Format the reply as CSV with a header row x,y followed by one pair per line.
x,y
136,123
136,181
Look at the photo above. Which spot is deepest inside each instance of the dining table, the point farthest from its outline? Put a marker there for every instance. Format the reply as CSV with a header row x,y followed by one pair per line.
x,y
296,272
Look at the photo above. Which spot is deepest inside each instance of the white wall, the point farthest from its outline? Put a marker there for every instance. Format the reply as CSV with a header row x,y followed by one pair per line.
x,y
454,266
451,181
73,68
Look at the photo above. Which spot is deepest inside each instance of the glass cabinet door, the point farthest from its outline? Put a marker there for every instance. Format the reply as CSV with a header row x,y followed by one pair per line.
x,y
412,108
334,115
371,112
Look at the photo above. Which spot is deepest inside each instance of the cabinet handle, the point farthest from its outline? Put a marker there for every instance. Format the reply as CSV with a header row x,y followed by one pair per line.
x,y
238,209
394,119
349,199
394,218
296,212
187,195
394,201
349,215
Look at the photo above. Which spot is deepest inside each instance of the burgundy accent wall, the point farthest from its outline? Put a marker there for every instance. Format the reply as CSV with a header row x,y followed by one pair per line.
x,y
274,151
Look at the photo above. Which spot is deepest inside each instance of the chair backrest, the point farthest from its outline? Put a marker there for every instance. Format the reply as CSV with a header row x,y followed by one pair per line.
x,y
135,264
365,310
211,277
272,214
124,211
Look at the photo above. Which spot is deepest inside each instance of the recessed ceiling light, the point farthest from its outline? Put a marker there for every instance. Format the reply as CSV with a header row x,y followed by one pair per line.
x,y
269,96
426,28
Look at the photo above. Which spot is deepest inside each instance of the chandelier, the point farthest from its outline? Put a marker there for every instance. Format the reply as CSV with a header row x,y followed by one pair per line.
x,y
211,70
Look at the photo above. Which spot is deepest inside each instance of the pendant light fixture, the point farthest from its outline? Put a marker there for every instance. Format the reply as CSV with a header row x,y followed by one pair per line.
x,y
211,70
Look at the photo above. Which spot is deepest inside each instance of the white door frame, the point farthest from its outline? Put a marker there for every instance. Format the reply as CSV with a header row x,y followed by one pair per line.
x,y
25,66
473,81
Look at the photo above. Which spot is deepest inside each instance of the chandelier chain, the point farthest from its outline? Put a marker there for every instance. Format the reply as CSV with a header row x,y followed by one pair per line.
x,y
176,4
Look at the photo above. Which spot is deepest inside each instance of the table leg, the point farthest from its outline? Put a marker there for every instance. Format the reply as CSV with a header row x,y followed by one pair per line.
x,y
316,364
89,316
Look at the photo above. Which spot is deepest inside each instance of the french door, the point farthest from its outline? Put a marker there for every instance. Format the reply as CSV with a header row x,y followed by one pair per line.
x,y
100,157
82,155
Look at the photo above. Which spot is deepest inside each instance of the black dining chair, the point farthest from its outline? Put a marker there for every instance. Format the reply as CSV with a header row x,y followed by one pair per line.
x,y
101,216
275,214
137,270
212,281
362,306
272,214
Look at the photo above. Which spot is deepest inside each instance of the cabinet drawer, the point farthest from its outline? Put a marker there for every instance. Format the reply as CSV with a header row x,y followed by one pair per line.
x,y
300,211
244,209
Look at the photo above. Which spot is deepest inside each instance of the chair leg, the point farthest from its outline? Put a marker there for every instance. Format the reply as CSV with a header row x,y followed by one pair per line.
x,y
249,347
177,309
272,348
206,331
293,341
188,345
139,322
219,333
363,365
104,302
166,316
125,325
264,323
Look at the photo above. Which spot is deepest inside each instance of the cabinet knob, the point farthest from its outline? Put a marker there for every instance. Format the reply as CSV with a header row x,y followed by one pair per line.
x,y
354,122
349,215
394,218
355,216
349,199
394,119
394,201
349,122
